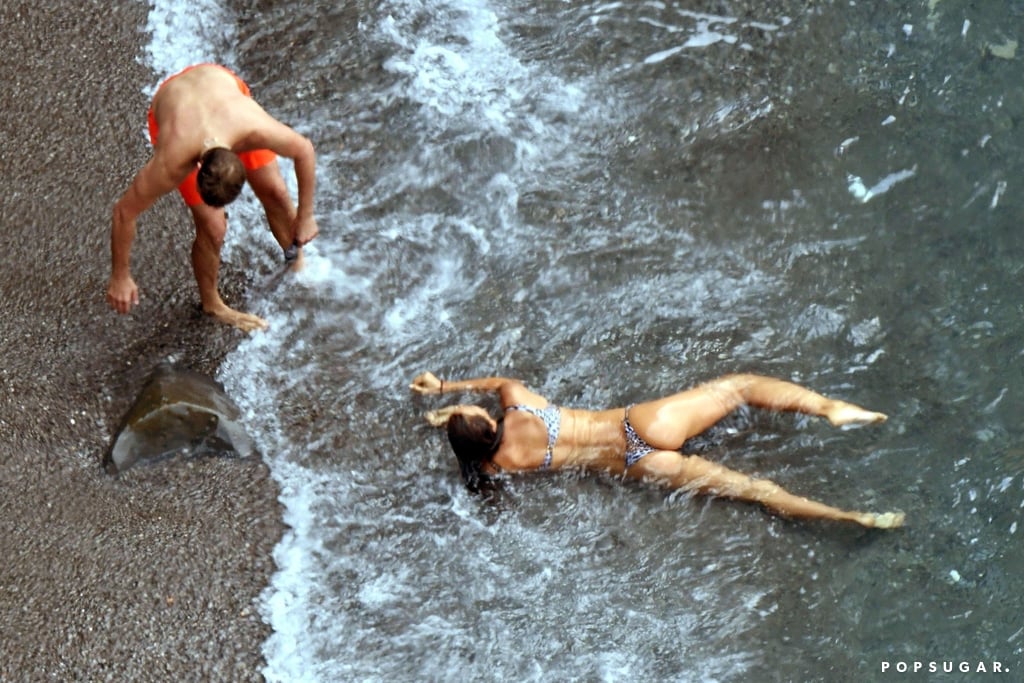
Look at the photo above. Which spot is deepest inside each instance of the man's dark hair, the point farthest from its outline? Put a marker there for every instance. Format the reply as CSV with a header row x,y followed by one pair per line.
x,y
221,176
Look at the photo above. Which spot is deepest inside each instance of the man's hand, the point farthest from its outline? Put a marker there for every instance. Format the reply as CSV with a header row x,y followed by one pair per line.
x,y
122,293
426,383
304,230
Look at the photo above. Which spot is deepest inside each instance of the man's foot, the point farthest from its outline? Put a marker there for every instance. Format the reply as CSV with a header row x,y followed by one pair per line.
x,y
243,321
297,262
842,413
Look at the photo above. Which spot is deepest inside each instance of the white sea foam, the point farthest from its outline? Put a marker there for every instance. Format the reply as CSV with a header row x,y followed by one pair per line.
x,y
705,30
185,33
860,191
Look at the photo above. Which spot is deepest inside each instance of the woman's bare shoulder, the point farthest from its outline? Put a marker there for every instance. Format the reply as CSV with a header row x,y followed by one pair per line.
x,y
514,392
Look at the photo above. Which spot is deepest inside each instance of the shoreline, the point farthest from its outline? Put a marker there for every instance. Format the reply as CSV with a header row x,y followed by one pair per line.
x,y
156,573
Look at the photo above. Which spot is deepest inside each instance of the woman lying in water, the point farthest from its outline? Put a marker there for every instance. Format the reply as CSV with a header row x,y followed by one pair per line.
x,y
640,441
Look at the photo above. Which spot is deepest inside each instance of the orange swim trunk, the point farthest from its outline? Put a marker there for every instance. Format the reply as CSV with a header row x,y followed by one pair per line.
x,y
253,159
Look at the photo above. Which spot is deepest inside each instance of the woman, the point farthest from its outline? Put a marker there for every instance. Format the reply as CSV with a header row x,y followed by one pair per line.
x,y
640,441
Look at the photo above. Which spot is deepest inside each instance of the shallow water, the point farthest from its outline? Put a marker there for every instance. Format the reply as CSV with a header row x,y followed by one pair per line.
x,y
612,201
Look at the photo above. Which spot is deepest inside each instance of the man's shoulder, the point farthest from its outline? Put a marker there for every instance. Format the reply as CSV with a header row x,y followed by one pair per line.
x,y
175,153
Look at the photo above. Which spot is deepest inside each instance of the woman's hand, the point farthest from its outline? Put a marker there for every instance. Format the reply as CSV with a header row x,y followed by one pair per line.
x,y
440,417
427,383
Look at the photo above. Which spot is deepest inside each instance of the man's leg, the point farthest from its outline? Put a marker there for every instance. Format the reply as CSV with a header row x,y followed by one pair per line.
x,y
269,187
211,227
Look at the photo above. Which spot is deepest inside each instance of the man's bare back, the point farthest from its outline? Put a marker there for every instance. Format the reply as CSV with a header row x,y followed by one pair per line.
x,y
202,108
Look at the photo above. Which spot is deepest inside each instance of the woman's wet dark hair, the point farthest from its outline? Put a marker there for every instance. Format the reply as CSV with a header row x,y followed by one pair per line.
x,y
221,176
474,442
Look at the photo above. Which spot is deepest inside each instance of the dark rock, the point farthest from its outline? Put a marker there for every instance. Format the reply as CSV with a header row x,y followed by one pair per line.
x,y
178,412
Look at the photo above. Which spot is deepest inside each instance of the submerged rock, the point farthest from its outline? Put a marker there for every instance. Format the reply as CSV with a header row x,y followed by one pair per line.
x,y
178,412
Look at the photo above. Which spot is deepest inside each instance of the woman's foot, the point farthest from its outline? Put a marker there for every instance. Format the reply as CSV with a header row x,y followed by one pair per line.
x,y
842,413
883,520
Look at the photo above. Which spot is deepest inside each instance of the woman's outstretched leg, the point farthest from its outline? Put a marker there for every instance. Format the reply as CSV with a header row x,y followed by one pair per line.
x,y
693,473
777,394
668,422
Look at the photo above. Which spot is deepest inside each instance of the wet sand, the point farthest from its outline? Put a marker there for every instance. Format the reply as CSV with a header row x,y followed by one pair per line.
x,y
153,575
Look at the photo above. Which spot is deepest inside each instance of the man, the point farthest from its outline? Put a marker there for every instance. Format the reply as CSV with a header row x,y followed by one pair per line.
x,y
209,136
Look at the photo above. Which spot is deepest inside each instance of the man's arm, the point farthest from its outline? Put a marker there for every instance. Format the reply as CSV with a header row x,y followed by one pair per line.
x,y
305,175
305,227
149,184
286,142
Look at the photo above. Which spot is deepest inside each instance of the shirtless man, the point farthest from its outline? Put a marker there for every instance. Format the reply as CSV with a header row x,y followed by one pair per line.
x,y
212,138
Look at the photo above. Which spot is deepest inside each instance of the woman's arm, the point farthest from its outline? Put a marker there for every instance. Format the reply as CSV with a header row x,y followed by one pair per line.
x,y
509,390
428,383
440,417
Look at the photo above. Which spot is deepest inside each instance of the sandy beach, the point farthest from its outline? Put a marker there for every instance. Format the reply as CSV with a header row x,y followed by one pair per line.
x,y
153,575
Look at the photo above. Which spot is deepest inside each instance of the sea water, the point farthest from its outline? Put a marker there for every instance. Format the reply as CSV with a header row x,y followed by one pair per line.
x,y
613,201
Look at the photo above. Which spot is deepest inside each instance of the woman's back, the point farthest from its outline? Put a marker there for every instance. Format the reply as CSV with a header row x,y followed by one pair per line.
x,y
587,439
